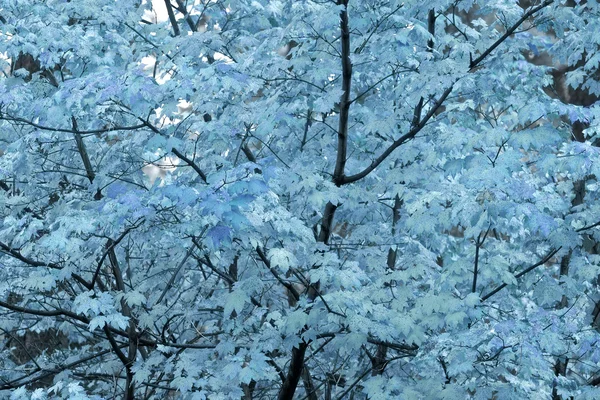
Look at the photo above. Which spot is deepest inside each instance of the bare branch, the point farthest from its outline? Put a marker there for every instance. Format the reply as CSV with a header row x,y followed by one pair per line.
x,y
44,313
34,263
49,372
188,18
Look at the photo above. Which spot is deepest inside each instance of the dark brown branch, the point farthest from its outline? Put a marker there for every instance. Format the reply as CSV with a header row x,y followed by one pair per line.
x,y
89,132
49,372
131,331
362,46
294,372
287,285
431,28
307,125
248,153
115,346
175,273
313,291
474,63
309,386
392,253
595,381
145,39
172,18
227,278
362,376
343,180
268,146
86,321
188,18
401,140
206,261
83,152
297,359
17,255
191,163
327,223
45,313
127,363
417,113
520,274
445,369
478,245
404,348
379,360
374,85
340,164
585,228
113,244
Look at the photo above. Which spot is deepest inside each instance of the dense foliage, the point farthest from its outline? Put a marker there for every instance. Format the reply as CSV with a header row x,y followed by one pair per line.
x,y
299,199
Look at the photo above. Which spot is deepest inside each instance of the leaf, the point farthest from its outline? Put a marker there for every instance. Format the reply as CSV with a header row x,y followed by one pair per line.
x,y
508,278
219,235
235,301
281,258
134,298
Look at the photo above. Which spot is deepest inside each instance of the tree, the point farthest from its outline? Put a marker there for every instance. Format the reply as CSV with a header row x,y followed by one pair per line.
x,y
371,199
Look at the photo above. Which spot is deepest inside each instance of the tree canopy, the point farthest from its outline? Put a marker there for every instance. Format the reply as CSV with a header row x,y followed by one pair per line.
x,y
218,199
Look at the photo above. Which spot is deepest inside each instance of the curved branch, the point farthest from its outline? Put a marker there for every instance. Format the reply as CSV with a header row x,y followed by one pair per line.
x,y
34,263
343,180
520,274
287,285
397,143
191,163
49,372
110,246
48,128
45,313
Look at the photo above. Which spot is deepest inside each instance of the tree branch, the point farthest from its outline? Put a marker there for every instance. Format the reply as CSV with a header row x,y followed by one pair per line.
x,y
343,180
172,280
474,63
49,372
407,136
18,256
44,313
294,372
340,164
520,274
287,285
83,151
478,245
172,18
110,247
192,164
188,18
48,128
